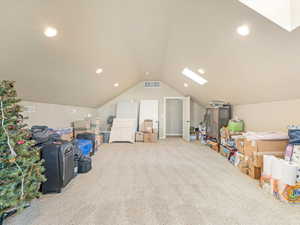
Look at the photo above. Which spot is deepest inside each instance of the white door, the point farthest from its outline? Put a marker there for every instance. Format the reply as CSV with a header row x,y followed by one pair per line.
x,y
186,118
149,111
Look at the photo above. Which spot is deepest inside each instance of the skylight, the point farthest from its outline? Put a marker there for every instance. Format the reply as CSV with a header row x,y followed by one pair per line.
x,y
194,76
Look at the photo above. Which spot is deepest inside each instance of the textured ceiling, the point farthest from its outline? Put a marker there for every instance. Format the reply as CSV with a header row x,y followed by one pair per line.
x,y
130,37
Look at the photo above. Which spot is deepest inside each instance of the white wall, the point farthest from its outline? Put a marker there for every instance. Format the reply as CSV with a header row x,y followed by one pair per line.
x,y
197,113
271,116
55,116
138,93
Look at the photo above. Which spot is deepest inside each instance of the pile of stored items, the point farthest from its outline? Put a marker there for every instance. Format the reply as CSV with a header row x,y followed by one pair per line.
x,y
88,129
281,177
273,158
147,133
65,156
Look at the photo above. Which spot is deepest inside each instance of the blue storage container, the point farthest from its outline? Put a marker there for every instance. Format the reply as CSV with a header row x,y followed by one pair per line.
x,y
85,146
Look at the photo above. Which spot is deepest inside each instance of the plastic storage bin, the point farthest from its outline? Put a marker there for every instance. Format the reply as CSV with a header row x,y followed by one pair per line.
x,y
236,125
106,136
85,146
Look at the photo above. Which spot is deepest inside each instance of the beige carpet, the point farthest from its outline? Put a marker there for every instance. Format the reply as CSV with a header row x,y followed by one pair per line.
x,y
170,183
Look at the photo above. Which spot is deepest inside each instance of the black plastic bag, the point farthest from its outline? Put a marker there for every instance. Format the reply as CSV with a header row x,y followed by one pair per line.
x,y
294,135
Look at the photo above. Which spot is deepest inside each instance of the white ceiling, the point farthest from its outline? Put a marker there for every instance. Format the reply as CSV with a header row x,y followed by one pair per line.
x,y
128,38
285,13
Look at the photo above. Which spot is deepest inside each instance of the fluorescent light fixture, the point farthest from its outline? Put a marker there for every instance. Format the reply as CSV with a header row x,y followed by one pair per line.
x,y
99,71
50,32
194,76
116,85
243,30
201,71
185,85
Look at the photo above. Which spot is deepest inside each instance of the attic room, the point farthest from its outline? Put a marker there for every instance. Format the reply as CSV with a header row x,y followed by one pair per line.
x,y
149,112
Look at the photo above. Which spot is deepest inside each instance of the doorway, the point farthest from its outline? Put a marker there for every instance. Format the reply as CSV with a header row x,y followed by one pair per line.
x,y
174,118
177,117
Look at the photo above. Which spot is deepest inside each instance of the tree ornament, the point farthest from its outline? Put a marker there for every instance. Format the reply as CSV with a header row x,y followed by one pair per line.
x,y
21,142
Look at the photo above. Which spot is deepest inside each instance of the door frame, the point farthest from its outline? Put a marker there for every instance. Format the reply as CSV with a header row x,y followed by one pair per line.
x,y
165,114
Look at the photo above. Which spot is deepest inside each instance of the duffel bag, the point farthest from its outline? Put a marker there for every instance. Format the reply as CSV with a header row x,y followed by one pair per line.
x,y
84,164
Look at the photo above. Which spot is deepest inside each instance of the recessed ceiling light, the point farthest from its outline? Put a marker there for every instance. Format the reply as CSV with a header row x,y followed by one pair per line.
x,y
99,71
194,76
116,85
50,32
201,71
147,73
185,85
243,30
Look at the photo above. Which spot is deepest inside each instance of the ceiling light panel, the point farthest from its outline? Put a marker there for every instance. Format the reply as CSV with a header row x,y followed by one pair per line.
x,y
50,32
194,76
201,71
99,71
243,30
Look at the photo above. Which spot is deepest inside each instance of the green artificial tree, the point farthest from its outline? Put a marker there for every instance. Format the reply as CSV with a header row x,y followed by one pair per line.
x,y
21,170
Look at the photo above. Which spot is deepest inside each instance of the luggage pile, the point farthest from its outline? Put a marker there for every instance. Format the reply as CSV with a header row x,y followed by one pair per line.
x,y
63,160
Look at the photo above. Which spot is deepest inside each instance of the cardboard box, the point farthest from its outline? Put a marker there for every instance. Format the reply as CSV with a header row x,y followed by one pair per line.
x,y
82,124
147,126
244,170
240,142
224,151
264,146
67,137
150,137
255,172
139,137
258,157
213,145
99,140
242,162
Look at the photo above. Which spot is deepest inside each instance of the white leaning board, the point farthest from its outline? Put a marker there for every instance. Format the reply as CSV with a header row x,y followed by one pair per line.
x,y
123,130
149,111
128,110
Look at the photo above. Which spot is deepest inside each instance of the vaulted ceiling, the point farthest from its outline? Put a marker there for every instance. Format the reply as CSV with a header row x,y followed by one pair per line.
x,y
128,38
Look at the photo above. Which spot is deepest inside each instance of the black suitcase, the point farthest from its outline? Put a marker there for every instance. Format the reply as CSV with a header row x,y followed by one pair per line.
x,y
88,136
84,164
59,166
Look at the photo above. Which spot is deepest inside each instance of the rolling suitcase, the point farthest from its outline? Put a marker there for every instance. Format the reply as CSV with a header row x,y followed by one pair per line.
x,y
59,166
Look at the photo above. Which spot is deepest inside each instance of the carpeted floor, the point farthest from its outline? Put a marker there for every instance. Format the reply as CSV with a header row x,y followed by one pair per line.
x,y
170,183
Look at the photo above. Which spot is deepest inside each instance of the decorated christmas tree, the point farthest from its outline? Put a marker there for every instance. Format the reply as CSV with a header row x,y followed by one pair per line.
x,y
20,164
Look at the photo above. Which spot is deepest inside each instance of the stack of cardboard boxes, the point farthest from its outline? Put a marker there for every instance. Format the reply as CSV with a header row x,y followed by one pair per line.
x,y
227,146
88,126
251,153
147,133
81,126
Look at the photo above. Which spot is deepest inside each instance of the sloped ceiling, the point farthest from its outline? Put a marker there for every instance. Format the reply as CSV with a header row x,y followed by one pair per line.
x,y
129,38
